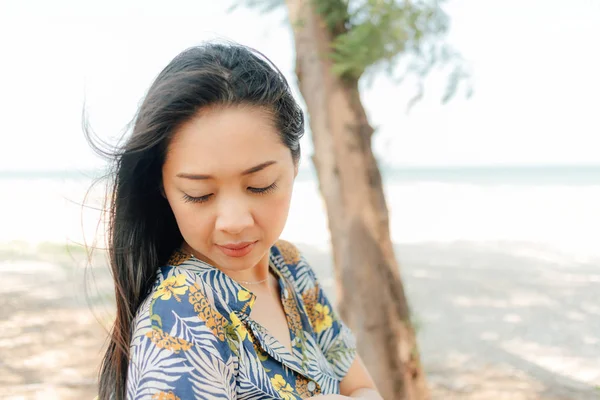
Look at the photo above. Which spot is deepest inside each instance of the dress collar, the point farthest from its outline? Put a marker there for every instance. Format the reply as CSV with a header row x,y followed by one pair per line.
x,y
234,302
225,290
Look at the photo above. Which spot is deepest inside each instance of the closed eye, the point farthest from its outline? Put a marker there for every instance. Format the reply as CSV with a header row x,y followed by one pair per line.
x,y
264,190
201,199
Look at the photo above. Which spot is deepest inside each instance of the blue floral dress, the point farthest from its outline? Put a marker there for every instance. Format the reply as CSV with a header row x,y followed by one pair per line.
x,y
194,337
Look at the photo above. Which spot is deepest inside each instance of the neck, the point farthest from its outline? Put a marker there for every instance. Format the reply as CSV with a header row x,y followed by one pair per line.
x,y
254,278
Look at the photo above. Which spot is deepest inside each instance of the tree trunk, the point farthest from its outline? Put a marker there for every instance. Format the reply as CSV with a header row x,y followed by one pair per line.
x,y
371,296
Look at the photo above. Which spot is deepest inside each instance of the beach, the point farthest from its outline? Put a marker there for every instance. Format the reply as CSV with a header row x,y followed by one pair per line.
x,y
502,278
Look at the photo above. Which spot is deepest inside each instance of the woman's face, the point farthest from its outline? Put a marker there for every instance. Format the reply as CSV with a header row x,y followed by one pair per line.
x,y
229,179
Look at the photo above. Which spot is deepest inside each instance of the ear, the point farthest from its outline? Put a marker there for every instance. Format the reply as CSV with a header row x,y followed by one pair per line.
x,y
295,170
162,190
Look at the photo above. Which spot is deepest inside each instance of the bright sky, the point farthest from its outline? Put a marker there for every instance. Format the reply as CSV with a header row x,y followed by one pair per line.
x,y
535,65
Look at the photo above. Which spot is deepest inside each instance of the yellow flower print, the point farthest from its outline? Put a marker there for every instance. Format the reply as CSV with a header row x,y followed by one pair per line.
x,y
285,390
238,326
244,295
174,285
164,396
323,318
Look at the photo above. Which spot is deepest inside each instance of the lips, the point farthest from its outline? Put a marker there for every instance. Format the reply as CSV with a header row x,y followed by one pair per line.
x,y
239,249
236,246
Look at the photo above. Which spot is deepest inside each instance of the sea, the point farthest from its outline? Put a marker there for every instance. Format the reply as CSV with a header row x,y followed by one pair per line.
x,y
553,205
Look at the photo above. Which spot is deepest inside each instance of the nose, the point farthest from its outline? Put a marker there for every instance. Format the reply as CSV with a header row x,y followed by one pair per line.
x,y
234,216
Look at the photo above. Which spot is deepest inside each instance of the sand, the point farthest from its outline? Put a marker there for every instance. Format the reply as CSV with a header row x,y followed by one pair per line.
x,y
493,321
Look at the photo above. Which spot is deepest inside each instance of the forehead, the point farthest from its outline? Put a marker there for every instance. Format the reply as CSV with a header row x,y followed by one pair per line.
x,y
225,140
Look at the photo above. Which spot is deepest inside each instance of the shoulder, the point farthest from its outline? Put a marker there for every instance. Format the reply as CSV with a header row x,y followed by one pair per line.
x,y
179,346
293,265
177,311
169,297
289,253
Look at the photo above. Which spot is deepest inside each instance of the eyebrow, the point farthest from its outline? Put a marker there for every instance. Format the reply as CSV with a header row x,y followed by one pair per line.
x,y
198,177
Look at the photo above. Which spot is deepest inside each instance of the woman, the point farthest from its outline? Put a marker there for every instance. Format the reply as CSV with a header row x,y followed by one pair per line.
x,y
210,303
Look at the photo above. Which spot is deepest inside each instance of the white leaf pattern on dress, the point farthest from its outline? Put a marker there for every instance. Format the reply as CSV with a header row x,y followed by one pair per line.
x,y
187,358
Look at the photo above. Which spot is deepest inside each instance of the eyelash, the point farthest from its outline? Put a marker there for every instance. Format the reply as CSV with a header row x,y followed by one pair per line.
x,y
265,190
204,199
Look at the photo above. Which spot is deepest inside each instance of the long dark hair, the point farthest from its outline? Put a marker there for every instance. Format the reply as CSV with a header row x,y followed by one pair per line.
x,y
142,231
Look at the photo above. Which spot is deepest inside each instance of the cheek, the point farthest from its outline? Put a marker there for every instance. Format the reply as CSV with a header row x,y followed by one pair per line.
x,y
272,215
193,227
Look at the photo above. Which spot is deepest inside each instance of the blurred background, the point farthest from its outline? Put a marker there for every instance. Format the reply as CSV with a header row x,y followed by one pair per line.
x,y
493,197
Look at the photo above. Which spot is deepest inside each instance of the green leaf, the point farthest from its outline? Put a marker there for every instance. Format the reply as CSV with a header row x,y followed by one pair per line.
x,y
369,36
